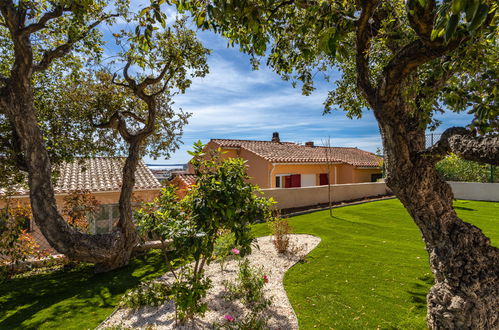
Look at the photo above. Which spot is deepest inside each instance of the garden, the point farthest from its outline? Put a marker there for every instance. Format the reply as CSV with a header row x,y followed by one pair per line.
x,y
65,94
370,270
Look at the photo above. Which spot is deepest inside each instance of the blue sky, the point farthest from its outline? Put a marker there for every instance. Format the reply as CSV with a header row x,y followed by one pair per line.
x,y
235,102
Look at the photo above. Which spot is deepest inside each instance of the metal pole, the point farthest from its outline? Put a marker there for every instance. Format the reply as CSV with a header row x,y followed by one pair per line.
x,y
431,139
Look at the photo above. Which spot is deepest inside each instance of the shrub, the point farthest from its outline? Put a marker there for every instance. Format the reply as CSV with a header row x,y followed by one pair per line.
x,y
249,289
453,168
78,205
152,293
221,202
16,244
280,229
223,246
188,290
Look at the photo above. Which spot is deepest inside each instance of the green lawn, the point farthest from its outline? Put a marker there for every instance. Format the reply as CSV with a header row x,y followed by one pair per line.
x,y
75,299
370,270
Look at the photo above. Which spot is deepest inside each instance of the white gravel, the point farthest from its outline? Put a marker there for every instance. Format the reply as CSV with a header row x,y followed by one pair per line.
x,y
280,314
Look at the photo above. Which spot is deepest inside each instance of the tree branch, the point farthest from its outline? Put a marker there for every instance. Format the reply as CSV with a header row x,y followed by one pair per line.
x,y
460,141
362,56
63,49
134,116
407,60
34,27
151,81
422,20
434,84
116,121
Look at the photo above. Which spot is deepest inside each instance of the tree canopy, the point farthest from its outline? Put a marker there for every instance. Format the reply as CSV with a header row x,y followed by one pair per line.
x,y
406,61
61,96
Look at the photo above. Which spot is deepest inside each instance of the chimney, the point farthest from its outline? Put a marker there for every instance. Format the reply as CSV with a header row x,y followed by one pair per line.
x,y
309,144
275,137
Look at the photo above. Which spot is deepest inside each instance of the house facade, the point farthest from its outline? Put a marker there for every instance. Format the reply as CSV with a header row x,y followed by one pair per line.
x,y
276,164
102,177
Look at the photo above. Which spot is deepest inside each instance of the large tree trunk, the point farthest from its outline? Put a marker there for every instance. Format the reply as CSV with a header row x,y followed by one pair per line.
x,y
109,251
466,267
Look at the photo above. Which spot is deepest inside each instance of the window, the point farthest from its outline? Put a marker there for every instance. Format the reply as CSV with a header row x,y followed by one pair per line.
x,y
323,179
375,177
288,180
103,222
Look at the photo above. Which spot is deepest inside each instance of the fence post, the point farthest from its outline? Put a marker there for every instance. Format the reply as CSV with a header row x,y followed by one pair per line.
x,y
431,135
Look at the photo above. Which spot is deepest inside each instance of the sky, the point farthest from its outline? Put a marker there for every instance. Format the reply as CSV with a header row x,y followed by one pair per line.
x,y
235,102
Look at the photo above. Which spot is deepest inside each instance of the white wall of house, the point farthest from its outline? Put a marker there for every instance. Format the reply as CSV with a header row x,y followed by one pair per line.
x,y
475,191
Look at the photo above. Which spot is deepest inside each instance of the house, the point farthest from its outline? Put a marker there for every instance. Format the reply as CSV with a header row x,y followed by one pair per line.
x,y
276,164
183,180
101,176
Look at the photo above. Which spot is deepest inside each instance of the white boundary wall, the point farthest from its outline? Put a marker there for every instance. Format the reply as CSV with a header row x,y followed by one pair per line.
x,y
310,196
475,191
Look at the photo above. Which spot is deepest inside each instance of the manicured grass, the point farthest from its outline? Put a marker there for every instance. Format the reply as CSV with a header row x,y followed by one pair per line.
x,y
371,269
71,299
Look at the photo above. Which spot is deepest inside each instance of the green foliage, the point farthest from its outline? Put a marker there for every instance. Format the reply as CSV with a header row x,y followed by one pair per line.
x,y
223,247
222,198
76,92
249,289
152,293
302,38
221,203
188,290
280,230
452,168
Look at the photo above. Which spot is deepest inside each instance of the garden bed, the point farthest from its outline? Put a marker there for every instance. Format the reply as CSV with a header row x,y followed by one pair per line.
x,y
280,314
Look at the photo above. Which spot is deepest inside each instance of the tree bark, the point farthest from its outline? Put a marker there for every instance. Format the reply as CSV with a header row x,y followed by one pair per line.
x,y
109,251
466,267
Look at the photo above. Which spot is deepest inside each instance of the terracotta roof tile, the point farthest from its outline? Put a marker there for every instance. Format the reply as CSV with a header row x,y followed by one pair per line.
x,y
99,174
287,152
187,178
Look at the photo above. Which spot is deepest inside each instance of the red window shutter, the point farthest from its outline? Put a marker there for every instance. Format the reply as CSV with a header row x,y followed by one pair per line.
x,y
323,179
287,181
296,180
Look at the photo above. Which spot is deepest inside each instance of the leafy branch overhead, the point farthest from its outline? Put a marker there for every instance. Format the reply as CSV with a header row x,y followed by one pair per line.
x,y
60,98
301,38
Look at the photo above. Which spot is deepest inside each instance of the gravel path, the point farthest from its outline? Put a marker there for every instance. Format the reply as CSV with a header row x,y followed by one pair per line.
x,y
280,313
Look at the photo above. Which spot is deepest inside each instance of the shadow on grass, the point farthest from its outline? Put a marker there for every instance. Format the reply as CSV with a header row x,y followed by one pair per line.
x,y
419,290
463,208
71,298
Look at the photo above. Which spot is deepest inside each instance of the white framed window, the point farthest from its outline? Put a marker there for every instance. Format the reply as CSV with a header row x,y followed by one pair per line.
x,y
279,180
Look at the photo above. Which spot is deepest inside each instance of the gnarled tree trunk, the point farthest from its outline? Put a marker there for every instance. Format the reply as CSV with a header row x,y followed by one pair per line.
x,y
466,267
109,251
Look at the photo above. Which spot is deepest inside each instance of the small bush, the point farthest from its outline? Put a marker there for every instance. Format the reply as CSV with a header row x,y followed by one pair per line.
x,y
223,246
281,229
249,289
189,289
151,293
16,244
